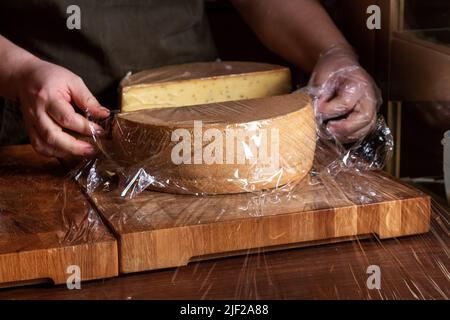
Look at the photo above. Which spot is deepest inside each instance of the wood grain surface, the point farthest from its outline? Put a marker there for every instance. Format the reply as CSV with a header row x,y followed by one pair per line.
x,y
47,224
159,230
414,267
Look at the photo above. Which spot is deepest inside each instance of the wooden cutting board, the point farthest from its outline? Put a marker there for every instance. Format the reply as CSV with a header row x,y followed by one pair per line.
x,y
47,224
159,230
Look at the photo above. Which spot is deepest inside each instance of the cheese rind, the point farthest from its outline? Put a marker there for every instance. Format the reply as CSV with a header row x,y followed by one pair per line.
x,y
272,143
200,83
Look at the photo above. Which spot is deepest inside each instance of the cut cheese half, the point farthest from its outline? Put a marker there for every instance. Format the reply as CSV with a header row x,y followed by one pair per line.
x,y
203,82
228,147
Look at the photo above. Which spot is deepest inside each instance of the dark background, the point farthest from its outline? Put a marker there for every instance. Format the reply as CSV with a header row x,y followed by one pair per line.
x,y
423,124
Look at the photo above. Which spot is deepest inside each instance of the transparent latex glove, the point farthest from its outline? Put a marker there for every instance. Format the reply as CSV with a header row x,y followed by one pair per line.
x,y
346,97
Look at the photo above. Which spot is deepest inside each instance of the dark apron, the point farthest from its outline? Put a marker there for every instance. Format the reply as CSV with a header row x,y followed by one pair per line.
x,y
116,36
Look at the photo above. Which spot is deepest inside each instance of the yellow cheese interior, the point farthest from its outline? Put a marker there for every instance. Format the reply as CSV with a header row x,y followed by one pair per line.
x,y
210,88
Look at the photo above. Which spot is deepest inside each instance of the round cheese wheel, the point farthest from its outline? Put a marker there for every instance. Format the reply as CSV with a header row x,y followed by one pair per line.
x,y
229,147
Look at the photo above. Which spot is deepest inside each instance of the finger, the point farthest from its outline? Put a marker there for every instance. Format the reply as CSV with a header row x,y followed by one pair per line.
x,y
359,134
363,132
348,94
84,99
41,147
30,122
53,135
328,89
354,127
63,113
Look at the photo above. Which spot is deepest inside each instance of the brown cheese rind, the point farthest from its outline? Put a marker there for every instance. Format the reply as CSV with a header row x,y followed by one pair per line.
x,y
145,139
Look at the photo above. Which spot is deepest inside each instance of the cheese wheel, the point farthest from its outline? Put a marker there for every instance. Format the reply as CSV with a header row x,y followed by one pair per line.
x,y
228,147
200,83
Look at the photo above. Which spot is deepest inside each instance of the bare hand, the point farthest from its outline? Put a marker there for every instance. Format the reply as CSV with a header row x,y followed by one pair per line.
x,y
45,93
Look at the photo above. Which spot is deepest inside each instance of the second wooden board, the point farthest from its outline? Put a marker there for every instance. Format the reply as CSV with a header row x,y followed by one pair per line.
x,y
48,229
159,230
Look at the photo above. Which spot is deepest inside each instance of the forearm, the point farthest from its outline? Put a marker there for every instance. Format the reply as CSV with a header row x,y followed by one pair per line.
x,y
297,30
13,60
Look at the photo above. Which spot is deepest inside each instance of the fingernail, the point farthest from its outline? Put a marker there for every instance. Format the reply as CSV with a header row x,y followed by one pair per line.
x,y
331,129
89,150
99,132
105,109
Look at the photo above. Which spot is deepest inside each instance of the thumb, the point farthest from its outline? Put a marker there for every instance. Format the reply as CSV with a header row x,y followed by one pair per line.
x,y
85,100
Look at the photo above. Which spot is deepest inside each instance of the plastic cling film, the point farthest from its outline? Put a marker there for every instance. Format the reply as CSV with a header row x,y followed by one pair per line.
x,y
177,185
244,145
202,82
369,266
229,147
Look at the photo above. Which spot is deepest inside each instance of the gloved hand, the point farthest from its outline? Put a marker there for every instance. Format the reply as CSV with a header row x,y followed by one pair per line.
x,y
347,97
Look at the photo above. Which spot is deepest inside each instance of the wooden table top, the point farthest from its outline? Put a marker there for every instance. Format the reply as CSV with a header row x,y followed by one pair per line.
x,y
411,268
414,267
